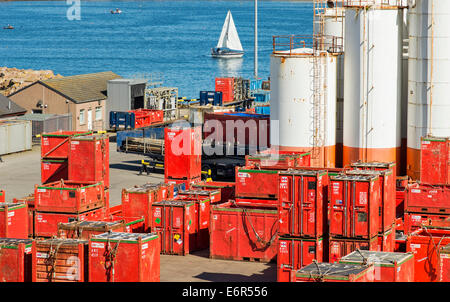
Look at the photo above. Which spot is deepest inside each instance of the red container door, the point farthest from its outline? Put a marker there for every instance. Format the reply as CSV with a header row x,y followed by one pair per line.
x,y
15,260
54,170
434,167
340,204
55,145
226,86
13,220
224,234
138,205
361,211
339,248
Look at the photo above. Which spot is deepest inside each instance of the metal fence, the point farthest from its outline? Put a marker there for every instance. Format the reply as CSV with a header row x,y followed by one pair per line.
x,y
44,123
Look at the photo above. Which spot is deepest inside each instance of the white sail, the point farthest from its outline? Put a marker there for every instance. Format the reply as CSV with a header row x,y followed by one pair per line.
x,y
229,37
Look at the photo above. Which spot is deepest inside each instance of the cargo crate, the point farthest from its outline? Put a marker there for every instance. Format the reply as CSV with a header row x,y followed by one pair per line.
x,y
376,166
339,247
132,224
272,161
46,224
255,183
15,259
302,202
56,144
60,260
334,272
428,199
86,229
388,266
175,223
435,160
89,159
213,195
124,257
167,190
227,189
54,170
415,221
13,220
425,245
444,265
243,233
182,184
226,86
354,206
69,196
295,253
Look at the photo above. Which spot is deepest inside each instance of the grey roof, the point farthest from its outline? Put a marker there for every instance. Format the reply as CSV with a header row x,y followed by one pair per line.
x,y
8,107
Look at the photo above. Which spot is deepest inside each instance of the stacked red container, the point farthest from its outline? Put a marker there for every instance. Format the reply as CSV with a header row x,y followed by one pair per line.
x,y
278,160
147,117
334,272
256,187
86,229
15,259
13,220
124,257
435,160
226,189
182,155
354,213
226,86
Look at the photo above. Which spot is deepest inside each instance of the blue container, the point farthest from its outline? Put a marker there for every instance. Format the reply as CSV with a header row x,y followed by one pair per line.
x,y
120,118
211,97
178,188
255,84
262,97
203,98
217,98
262,110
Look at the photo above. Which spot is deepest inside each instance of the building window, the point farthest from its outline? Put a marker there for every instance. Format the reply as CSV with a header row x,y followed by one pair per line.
x,y
98,113
82,121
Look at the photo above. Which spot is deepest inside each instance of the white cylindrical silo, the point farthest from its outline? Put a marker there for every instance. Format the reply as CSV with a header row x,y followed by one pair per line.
x,y
429,75
372,88
294,108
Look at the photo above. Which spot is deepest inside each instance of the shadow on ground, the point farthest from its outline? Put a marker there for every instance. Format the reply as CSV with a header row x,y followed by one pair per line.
x,y
268,275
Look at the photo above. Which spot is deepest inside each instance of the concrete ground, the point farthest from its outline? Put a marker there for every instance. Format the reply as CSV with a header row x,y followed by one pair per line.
x,y
20,172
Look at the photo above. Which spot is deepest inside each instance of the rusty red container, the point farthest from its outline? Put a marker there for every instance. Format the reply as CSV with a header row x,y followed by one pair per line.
x,y
376,166
425,245
334,272
444,265
386,240
354,206
86,229
428,199
255,183
15,259
226,86
54,170
124,257
301,202
388,195
46,224
435,160
176,224
13,220
69,196
242,233
388,266
415,221
183,152
56,144
137,201
255,202
89,158
213,195
339,247
60,260
2,196
295,253
227,189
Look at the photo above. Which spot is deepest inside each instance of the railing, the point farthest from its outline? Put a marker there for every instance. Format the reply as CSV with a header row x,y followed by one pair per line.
x,y
286,44
376,3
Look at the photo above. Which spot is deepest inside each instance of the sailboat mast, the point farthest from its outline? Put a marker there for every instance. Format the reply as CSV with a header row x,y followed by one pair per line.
x,y
256,41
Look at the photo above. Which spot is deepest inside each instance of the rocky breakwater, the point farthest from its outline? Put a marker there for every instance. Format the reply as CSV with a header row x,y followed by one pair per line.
x,y
13,79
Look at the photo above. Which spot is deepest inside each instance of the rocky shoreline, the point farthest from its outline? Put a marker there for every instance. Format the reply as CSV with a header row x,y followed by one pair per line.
x,y
13,79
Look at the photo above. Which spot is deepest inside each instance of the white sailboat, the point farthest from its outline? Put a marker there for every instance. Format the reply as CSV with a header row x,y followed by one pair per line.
x,y
229,45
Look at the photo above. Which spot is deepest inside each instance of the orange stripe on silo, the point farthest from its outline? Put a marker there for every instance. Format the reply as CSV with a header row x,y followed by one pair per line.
x,y
413,163
351,155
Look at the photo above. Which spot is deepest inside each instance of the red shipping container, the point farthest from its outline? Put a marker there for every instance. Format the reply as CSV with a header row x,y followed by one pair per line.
x,y
2,196
60,260
29,200
255,202
137,201
182,153
86,229
376,166
295,253
301,201
176,224
132,224
415,221
142,117
15,259
255,183
13,220
338,247
56,144
386,240
167,190
435,160
334,272
124,257
444,268
157,116
89,158
46,224
213,195
272,161
428,199
425,245
388,195
69,196
301,159
227,189
54,170
240,233
388,266
354,206
226,86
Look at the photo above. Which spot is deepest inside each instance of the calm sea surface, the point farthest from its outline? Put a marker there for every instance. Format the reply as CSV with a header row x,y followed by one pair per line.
x,y
173,38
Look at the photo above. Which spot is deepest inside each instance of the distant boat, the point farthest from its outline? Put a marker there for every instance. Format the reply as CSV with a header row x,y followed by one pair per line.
x,y
117,11
229,45
8,27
